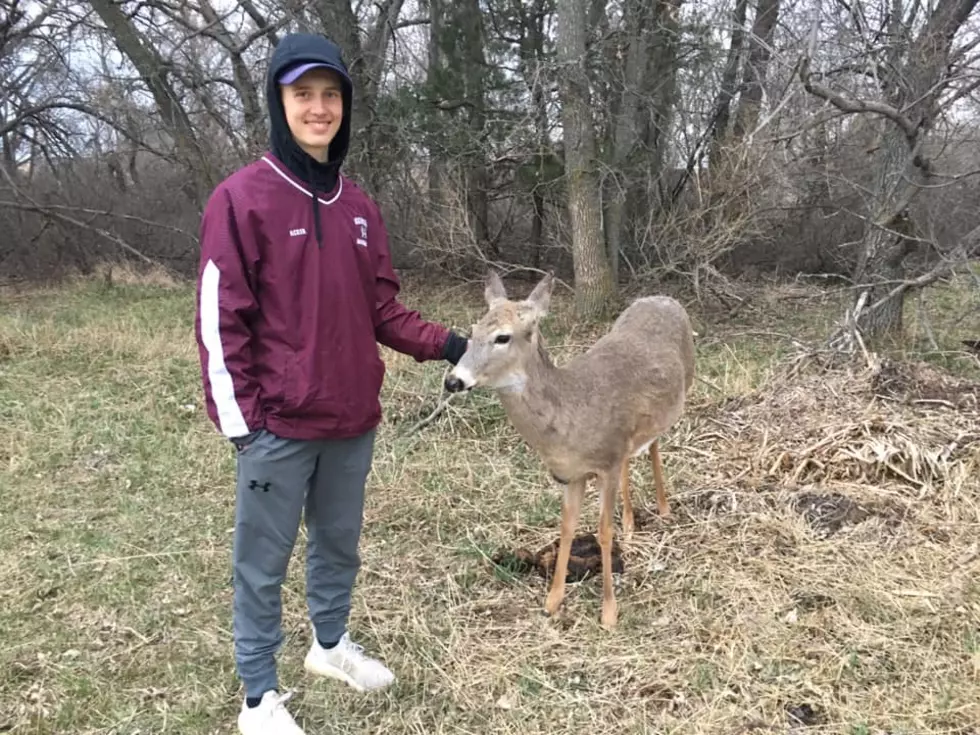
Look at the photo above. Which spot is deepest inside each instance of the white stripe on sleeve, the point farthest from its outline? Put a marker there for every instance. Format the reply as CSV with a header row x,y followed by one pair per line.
x,y
222,386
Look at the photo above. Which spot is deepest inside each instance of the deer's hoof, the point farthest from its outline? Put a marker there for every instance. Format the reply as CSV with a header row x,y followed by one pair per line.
x,y
553,602
610,615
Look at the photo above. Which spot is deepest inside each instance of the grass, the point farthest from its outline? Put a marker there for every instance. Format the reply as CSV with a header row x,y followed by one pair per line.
x,y
845,600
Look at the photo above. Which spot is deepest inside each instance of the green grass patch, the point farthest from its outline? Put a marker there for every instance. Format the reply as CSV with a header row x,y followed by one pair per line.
x,y
117,503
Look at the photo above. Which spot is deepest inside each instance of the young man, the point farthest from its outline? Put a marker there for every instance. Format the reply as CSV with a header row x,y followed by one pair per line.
x,y
295,290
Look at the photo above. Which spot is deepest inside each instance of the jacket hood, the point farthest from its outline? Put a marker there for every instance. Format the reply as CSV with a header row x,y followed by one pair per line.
x,y
307,47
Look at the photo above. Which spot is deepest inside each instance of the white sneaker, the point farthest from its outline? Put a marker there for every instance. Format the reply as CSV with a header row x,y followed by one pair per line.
x,y
270,717
346,661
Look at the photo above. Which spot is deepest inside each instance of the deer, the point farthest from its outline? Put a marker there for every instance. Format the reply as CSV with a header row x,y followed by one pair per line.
x,y
586,419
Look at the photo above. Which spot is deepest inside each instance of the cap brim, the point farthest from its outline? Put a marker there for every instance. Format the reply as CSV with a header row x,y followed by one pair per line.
x,y
291,75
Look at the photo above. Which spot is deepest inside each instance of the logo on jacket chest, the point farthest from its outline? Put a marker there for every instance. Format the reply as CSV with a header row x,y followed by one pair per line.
x,y
359,222
362,224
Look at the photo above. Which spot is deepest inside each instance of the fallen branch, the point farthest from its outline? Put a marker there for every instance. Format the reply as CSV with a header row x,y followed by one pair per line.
x,y
943,269
849,333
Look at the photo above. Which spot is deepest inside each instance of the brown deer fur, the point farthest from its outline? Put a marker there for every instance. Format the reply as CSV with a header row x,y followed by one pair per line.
x,y
587,418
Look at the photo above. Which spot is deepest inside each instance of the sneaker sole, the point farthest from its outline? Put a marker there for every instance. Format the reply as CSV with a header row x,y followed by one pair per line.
x,y
242,730
332,672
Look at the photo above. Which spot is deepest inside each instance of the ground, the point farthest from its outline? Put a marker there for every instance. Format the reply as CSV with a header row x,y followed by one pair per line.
x,y
820,574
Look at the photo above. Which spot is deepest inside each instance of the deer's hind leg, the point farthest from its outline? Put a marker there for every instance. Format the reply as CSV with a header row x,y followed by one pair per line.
x,y
658,479
607,490
571,504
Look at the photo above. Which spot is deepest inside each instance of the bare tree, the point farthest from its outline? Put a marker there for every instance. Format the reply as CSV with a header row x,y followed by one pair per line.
x,y
456,92
157,74
729,82
908,80
366,45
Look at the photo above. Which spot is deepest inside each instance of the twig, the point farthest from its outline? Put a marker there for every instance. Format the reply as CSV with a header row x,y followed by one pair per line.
x,y
708,383
443,404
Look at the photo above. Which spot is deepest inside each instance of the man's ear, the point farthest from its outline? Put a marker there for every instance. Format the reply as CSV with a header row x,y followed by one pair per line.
x,y
494,290
540,297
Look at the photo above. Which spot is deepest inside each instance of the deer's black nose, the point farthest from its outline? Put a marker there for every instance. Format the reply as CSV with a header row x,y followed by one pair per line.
x,y
453,384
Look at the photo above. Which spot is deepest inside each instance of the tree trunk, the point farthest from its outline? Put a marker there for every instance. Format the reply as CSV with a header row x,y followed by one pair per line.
x,y
365,61
729,85
881,266
756,68
470,23
456,85
659,86
625,132
593,284
437,158
885,243
533,60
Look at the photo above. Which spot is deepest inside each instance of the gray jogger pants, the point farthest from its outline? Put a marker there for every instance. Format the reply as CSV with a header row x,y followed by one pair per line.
x,y
277,480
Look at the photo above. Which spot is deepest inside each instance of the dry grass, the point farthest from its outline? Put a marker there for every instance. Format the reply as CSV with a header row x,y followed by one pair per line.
x,y
820,574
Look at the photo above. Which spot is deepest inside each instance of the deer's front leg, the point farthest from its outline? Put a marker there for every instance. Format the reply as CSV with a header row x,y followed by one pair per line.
x,y
624,481
571,504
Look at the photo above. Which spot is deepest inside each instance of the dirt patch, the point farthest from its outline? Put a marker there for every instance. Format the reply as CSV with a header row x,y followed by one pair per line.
x,y
808,601
920,383
708,503
828,514
804,715
584,561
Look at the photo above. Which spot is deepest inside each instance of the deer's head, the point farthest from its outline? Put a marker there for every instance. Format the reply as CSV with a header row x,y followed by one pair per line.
x,y
504,338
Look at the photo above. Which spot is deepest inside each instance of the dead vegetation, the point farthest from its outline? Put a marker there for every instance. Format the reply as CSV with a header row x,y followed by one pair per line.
x,y
891,422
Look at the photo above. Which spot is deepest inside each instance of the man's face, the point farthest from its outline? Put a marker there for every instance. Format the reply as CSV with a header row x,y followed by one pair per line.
x,y
314,109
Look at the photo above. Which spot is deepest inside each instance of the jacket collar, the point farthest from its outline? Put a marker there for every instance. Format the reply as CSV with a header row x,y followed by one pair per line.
x,y
280,168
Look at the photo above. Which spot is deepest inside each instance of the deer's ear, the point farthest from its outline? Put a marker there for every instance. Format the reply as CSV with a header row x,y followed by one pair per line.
x,y
494,290
540,297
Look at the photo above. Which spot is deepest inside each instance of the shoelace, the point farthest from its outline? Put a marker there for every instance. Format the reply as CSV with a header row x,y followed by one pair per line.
x,y
354,648
281,699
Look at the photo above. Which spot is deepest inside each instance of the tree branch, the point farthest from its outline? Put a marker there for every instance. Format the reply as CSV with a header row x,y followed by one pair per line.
x,y
409,22
848,105
36,110
98,213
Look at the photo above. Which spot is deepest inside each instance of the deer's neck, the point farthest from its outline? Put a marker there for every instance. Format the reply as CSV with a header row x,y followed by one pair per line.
x,y
532,401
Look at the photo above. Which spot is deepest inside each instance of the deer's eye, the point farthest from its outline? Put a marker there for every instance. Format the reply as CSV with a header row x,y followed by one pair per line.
x,y
502,339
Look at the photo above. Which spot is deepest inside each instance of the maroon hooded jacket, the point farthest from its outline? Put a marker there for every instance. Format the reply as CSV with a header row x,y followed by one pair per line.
x,y
287,327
